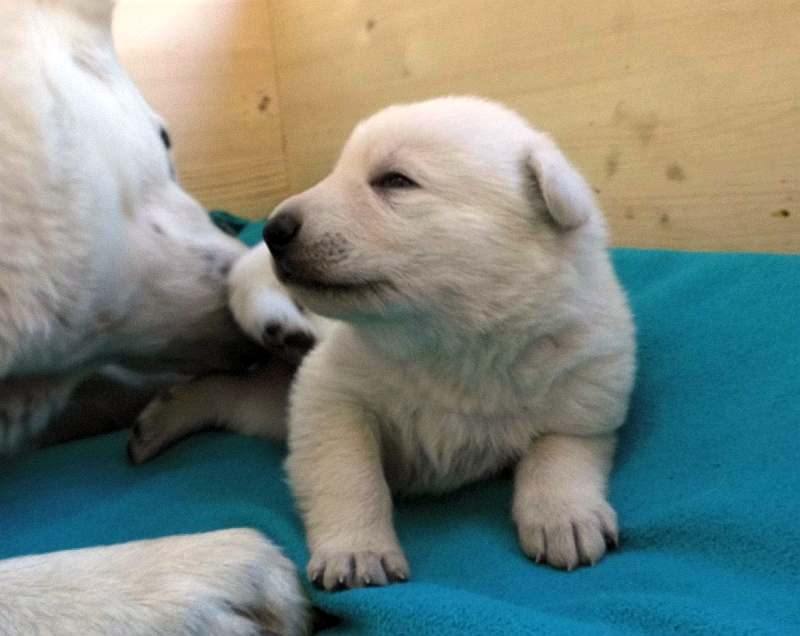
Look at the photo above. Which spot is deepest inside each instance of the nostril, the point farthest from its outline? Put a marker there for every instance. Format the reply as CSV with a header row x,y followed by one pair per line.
x,y
282,230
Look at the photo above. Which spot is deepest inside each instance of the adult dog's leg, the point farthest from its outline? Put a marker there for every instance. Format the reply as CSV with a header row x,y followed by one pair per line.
x,y
28,404
231,582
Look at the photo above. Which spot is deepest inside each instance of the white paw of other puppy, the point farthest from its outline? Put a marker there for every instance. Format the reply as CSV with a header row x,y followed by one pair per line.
x,y
346,569
566,533
265,311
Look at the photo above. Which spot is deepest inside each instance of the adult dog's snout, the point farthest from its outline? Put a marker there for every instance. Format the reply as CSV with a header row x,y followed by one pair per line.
x,y
281,231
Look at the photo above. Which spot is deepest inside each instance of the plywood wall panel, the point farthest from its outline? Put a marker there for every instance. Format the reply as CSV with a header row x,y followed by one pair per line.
x,y
684,115
207,66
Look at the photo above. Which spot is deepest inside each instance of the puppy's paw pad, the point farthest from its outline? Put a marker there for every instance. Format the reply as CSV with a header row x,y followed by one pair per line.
x,y
289,339
567,535
345,570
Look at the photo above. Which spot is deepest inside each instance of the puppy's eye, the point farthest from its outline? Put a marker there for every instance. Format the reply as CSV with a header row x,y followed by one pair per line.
x,y
393,181
165,138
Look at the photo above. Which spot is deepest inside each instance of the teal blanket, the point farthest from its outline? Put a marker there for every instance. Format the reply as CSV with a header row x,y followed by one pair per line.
x,y
707,486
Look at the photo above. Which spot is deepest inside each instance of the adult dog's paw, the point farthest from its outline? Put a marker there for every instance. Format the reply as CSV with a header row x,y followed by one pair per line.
x,y
225,582
566,534
337,570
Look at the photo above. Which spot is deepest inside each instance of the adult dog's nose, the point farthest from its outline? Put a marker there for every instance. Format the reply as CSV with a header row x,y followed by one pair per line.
x,y
281,230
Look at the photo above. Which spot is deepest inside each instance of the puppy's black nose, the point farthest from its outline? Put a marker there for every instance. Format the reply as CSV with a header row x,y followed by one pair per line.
x,y
281,231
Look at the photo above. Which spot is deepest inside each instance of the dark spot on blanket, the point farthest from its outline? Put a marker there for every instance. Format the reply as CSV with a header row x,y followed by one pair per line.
x,y
629,214
370,24
263,105
664,218
783,213
674,172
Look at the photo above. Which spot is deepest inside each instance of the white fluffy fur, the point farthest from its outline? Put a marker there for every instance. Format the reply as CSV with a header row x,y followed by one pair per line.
x,y
502,338
478,324
216,583
105,258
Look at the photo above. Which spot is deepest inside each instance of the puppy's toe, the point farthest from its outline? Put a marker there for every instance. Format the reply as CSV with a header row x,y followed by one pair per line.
x,y
566,535
289,340
345,570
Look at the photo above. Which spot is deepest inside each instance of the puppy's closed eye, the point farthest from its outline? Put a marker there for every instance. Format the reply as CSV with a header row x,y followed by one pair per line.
x,y
393,181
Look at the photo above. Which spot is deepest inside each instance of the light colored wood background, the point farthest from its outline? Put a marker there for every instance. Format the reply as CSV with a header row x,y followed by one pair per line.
x,y
208,67
684,115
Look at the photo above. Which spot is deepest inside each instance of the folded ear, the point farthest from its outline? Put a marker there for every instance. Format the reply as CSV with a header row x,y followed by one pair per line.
x,y
569,199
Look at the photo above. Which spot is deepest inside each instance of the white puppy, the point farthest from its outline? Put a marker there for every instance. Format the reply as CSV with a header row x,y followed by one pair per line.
x,y
104,258
479,325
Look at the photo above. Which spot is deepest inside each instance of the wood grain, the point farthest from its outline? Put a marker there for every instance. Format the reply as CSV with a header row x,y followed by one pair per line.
x,y
207,67
685,115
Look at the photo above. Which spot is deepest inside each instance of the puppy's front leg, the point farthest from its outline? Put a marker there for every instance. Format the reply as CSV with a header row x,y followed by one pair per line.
x,y
560,506
335,471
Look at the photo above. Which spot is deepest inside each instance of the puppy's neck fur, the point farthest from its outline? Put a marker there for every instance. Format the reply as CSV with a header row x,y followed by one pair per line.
x,y
510,358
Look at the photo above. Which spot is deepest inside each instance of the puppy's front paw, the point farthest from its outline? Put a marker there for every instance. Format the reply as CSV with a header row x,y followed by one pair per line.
x,y
266,313
289,336
336,570
566,534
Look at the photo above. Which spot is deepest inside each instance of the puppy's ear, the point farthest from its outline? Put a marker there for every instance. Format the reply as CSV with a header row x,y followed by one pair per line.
x,y
568,198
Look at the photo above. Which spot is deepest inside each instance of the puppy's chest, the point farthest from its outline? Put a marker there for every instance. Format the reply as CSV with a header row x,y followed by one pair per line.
x,y
430,449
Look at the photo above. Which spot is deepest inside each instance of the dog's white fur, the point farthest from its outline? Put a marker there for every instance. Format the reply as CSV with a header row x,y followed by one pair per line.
x,y
479,325
104,258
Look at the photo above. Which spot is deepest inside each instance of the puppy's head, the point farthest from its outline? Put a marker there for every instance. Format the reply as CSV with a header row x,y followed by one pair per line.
x,y
452,208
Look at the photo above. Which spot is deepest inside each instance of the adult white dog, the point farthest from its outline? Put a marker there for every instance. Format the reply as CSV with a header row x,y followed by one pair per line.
x,y
479,325
105,259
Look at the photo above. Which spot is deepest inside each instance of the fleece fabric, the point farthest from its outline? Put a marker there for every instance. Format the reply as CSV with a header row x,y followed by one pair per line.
x,y
706,484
